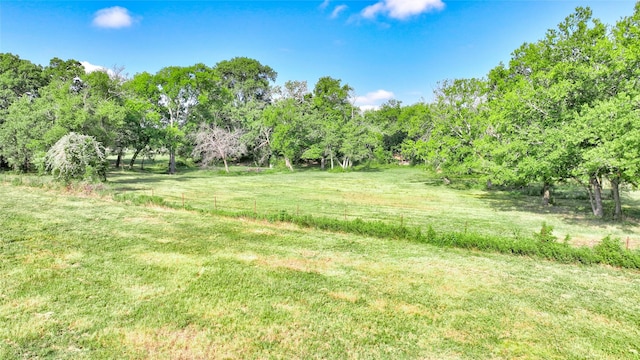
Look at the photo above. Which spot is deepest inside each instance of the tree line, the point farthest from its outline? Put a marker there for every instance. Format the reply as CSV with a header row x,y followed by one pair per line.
x,y
565,108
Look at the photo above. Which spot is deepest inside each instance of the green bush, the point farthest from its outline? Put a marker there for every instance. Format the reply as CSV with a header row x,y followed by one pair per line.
x,y
546,234
611,251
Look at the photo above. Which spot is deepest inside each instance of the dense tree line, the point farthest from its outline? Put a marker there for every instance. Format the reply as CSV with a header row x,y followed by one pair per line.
x,y
564,108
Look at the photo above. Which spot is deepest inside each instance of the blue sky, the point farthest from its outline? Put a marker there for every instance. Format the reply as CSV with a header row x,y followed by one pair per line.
x,y
382,48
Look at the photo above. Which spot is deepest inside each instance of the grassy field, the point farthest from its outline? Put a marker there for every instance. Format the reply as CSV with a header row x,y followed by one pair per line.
x,y
85,277
399,195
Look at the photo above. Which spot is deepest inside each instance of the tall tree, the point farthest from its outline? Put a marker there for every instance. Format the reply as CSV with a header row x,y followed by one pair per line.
x,y
332,111
247,79
458,115
184,95
542,90
18,78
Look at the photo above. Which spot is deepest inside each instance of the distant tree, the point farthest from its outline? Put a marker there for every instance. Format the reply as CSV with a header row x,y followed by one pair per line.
x,y
22,133
459,126
247,79
385,123
18,78
76,157
185,97
332,110
289,121
63,70
215,143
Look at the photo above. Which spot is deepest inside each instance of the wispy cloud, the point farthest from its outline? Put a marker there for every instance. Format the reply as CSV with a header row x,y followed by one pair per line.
x,y
113,18
373,100
401,9
338,10
324,4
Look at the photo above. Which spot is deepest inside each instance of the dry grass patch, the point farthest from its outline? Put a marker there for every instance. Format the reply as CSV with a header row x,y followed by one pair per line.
x,y
168,259
344,295
175,344
320,266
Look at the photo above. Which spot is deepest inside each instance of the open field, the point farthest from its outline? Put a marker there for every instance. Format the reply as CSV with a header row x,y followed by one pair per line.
x,y
86,277
400,195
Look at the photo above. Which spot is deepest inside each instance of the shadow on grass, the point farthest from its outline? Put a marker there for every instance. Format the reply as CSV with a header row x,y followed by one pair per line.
x,y
571,207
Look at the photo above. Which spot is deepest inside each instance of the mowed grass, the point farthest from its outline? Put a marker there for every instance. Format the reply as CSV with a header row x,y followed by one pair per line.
x,y
86,277
408,196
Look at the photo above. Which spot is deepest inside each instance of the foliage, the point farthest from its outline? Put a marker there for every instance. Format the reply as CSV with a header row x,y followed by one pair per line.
x,y
546,234
77,157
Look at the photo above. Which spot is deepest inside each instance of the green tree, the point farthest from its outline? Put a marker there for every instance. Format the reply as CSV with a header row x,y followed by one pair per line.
x,y
185,95
142,126
22,132
608,134
289,121
453,142
332,111
538,98
247,79
18,78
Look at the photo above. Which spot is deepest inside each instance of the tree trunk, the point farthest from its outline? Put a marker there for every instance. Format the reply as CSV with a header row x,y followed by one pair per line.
x,y
323,160
133,158
226,166
287,162
595,195
615,190
172,161
546,193
119,158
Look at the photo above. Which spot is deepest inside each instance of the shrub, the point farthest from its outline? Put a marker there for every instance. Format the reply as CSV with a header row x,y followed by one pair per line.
x,y
546,234
77,157
610,251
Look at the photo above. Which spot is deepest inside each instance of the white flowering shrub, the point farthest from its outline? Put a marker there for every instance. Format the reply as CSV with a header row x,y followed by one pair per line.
x,y
77,157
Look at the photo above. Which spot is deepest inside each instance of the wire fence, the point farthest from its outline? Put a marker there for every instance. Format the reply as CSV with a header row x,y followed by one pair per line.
x,y
417,217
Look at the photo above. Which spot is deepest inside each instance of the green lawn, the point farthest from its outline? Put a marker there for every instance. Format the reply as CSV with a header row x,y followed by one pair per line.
x,y
85,277
401,195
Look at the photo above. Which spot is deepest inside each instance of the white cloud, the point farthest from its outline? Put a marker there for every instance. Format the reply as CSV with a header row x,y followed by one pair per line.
x,y
114,18
401,9
339,9
369,107
373,100
89,68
